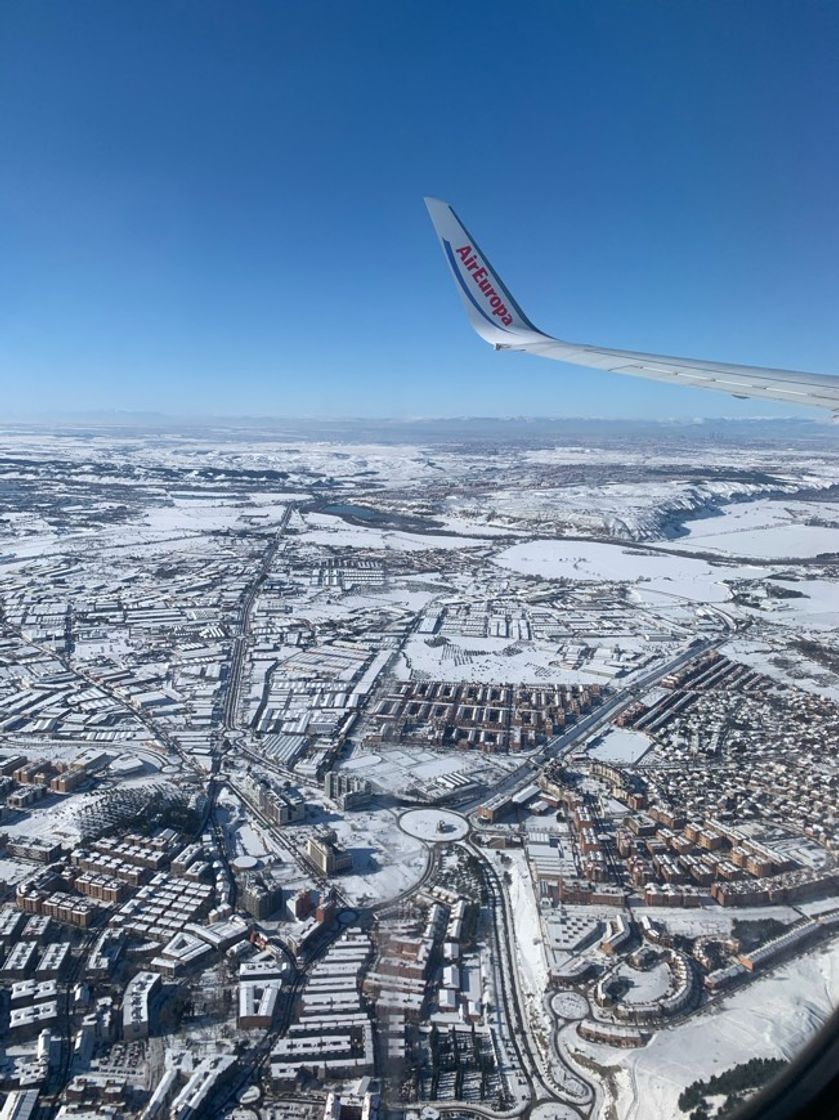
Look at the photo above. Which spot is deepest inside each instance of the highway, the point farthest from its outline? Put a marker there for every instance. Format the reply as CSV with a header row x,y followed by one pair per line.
x,y
509,989
515,1034
529,1079
591,723
230,702
517,1044
241,627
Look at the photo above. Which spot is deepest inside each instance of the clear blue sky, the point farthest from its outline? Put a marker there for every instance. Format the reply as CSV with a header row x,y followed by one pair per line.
x,y
216,207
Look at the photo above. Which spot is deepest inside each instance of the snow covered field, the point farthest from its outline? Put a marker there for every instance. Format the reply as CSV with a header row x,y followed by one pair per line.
x,y
325,529
767,529
620,745
396,768
774,1016
817,609
532,966
773,657
488,659
591,561
386,860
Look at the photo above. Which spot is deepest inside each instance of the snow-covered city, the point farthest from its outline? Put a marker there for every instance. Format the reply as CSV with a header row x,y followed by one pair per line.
x,y
413,773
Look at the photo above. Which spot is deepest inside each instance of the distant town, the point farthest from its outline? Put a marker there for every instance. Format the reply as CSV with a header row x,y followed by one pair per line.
x,y
367,780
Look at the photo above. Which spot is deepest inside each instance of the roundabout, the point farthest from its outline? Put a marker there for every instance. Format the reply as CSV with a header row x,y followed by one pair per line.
x,y
569,1005
434,826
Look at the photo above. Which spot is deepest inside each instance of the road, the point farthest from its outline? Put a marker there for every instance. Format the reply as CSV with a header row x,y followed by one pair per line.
x,y
241,628
59,1077
520,1058
251,1064
161,734
514,1028
240,633
540,1078
565,742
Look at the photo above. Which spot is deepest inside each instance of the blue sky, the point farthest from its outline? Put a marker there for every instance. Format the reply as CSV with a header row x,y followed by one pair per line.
x,y
216,208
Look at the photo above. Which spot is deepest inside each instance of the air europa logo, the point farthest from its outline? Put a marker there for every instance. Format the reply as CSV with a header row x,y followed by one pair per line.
x,y
479,275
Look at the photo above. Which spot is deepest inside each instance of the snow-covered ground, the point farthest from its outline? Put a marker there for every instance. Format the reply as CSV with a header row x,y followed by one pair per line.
x,y
397,768
817,609
251,841
774,1016
591,561
438,826
530,953
386,860
620,745
489,659
325,529
767,529
772,655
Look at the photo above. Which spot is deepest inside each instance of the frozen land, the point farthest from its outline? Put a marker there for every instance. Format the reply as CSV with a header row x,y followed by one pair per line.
x,y
774,1018
515,741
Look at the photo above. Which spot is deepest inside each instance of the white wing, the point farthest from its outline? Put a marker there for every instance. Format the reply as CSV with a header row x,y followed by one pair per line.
x,y
496,316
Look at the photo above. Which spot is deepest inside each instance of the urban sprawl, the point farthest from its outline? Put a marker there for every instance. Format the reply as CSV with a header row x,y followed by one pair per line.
x,y
346,780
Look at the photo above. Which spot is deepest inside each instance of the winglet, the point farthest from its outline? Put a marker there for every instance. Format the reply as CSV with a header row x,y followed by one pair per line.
x,y
492,311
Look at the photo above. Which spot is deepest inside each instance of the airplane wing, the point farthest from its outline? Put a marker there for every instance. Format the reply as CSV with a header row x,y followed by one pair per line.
x,y
498,319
